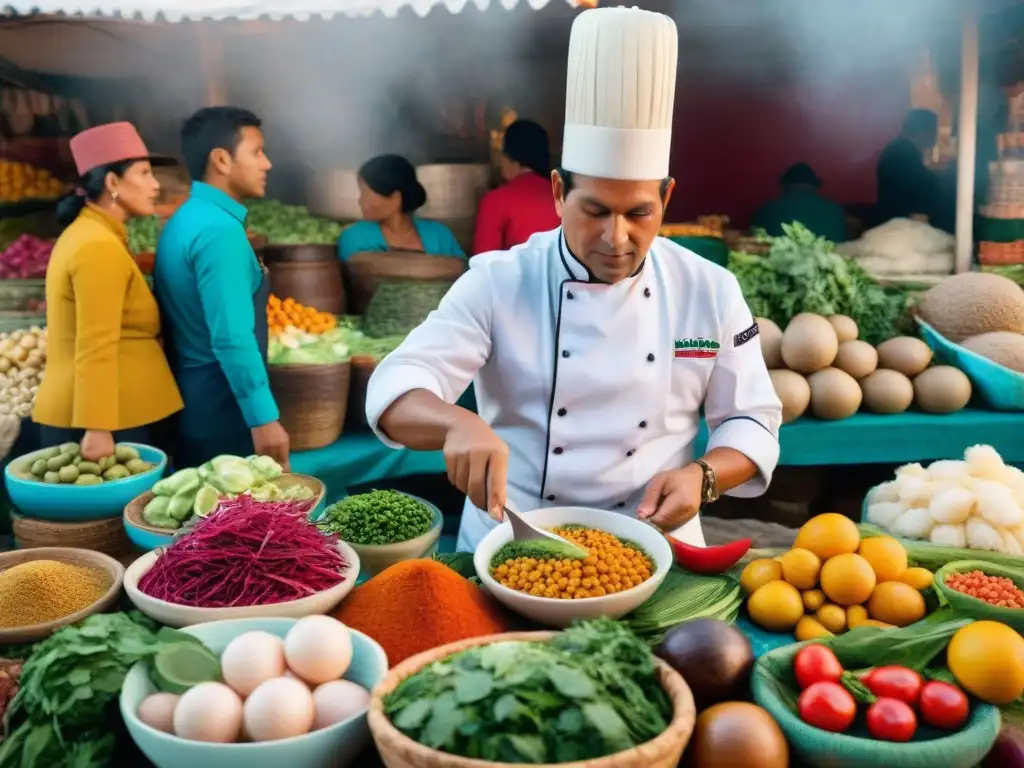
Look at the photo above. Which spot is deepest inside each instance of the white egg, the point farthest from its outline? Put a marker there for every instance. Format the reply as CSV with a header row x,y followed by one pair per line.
x,y
318,649
278,709
338,700
209,712
251,659
157,711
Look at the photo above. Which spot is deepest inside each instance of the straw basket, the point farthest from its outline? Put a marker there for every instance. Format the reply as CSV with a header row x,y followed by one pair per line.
x,y
453,191
107,536
79,557
312,400
309,274
399,751
334,193
365,271
363,367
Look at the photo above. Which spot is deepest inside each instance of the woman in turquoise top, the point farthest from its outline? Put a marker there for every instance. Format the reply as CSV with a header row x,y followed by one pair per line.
x,y
389,193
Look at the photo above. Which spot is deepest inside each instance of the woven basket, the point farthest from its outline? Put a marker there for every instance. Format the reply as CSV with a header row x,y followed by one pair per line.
x,y
453,191
312,400
107,536
399,751
312,282
365,271
79,557
398,306
363,367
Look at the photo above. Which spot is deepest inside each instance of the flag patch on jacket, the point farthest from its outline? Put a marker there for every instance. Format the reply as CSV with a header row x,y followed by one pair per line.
x,y
698,348
743,337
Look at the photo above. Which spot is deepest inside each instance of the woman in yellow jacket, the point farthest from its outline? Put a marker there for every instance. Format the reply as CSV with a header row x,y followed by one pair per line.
x,y
106,375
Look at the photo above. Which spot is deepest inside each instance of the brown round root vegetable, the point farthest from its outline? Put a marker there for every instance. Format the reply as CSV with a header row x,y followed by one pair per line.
x,y
942,389
737,735
973,303
846,327
1001,347
887,391
793,391
809,343
857,358
715,659
905,354
770,336
834,394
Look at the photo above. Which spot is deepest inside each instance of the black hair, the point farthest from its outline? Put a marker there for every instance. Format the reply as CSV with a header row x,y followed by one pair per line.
x,y
213,128
88,188
527,143
800,174
920,122
387,174
569,182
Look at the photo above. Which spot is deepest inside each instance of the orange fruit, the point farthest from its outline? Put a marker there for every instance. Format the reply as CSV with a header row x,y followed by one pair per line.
x,y
856,615
800,568
832,618
987,658
758,573
776,606
847,579
918,578
828,535
813,599
896,603
886,556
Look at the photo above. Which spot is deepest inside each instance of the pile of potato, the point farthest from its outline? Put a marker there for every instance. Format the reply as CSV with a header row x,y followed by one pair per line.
x,y
22,364
819,363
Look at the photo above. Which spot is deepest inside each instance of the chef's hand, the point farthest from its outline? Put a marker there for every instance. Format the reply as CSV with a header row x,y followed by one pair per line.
x,y
271,440
477,462
97,444
673,497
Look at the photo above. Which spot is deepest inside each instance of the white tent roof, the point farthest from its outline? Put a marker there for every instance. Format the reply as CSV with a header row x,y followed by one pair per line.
x,y
245,10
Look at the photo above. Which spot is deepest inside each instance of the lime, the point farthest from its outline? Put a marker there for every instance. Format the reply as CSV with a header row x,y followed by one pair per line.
x,y
206,501
180,666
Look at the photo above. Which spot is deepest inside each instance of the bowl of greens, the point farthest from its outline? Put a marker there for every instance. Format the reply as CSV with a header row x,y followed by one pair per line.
x,y
384,527
593,694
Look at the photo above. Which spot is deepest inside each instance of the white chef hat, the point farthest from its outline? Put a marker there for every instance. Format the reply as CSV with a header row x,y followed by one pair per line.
x,y
619,94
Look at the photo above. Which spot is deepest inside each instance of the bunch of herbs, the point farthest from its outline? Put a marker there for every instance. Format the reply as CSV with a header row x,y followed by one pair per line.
x,y
589,692
69,684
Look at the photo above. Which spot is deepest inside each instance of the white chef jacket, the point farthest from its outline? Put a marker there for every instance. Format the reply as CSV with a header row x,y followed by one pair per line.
x,y
595,388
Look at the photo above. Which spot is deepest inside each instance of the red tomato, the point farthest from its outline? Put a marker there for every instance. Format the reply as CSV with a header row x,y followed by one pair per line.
x,y
944,705
815,664
891,720
828,706
894,683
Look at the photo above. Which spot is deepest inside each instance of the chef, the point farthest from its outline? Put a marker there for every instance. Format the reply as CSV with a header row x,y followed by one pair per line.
x,y
593,347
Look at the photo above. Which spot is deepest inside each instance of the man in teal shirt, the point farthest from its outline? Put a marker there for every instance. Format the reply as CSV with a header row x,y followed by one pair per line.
x,y
213,294
801,201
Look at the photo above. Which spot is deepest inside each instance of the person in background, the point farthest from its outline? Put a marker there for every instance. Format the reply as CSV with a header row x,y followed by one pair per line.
x,y
510,214
802,201
906,186
213,291
389,194
107,379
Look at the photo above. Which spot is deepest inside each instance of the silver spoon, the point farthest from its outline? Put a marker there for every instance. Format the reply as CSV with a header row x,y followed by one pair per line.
x,y
522,531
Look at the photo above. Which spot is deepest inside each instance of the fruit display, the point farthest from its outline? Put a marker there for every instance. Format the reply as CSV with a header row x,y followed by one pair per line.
x,y
64,464
284,315
818,363
197,491
977,503
290,224
301,335
22,365
262,688
22,181
832,580
987,659
705,226
26,258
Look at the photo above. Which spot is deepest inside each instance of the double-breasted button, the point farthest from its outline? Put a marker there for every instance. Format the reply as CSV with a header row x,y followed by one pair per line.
x,y
630,452
558,451
621,504
569,295
562,411
565,353
551,497
647,292
643,425
650,357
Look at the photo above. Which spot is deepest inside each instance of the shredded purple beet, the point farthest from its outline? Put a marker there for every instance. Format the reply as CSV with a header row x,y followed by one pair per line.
x,y
246,553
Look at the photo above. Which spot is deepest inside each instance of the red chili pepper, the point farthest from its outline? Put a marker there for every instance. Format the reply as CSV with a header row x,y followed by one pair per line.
x,y
709,560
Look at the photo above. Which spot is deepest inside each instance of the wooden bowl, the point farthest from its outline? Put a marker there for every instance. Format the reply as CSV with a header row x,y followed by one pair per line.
x,y
399,751
79,557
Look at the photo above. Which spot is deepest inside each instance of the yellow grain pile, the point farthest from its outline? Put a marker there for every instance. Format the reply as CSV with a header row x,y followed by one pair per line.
x,y
46,590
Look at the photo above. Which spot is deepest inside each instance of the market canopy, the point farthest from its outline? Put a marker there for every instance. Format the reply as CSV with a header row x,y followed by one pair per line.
x,y
244,10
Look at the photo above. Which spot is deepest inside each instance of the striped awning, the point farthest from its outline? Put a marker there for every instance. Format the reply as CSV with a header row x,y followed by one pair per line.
x,y
243,10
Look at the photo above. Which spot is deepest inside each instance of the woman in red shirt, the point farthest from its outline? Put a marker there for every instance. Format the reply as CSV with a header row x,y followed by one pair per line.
x,y
524,205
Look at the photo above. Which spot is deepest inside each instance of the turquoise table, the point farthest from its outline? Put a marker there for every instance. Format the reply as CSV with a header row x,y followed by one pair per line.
x,y
862,439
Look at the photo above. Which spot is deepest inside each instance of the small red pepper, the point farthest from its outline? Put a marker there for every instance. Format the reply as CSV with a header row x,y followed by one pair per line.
x,y
709,560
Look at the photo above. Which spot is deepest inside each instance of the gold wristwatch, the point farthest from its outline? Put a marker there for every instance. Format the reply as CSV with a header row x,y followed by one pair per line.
x,y
709,487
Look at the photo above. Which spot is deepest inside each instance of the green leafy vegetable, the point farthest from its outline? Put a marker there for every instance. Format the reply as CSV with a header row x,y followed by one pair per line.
x,y
290,224
59,717
803,273
377,518
589,692
684,596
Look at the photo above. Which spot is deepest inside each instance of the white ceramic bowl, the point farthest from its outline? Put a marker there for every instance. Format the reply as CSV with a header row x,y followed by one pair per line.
x,y
562,613
174,615
376,558
338,745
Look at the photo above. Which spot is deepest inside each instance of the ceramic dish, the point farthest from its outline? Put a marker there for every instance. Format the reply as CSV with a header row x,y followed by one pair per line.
x,y
376,558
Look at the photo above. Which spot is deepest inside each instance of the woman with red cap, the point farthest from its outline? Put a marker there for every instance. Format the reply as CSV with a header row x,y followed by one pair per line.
x,y
106,377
